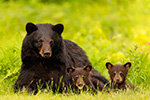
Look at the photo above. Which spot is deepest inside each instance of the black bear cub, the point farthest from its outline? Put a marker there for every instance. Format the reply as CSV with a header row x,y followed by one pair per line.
x,y
118,75
82,76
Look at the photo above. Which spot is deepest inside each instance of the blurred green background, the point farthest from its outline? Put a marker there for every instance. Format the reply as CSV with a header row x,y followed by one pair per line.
x,y
108,30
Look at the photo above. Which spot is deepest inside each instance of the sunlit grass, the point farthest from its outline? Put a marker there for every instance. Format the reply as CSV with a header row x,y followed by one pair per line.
x,y
129,95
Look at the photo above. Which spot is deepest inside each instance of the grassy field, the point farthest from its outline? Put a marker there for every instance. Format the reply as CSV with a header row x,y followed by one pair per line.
x,y
117,31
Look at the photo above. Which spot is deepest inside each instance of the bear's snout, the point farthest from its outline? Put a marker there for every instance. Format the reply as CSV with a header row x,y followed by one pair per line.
x,y
80,83
47,54
46,51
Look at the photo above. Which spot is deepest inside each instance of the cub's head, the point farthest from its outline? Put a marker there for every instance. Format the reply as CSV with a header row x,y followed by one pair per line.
x,y
79,75
118,73
45,39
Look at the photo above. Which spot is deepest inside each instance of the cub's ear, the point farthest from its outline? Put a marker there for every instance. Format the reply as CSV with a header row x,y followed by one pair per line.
x,y
70,70
127,65
30,27
58,28
108,65
87,68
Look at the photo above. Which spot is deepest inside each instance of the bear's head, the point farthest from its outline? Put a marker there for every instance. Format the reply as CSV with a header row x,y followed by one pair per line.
x,y
45,39
118,73
80,75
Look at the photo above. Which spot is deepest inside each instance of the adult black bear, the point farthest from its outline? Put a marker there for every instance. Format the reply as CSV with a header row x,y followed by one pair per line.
x,y
46,55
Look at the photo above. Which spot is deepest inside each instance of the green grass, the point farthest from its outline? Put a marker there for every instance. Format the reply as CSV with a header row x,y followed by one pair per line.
x,y
129,95
116,31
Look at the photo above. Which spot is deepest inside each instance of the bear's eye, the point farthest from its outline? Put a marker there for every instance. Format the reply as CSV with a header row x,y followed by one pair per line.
x,y
76,77
121,74
114,73
83,77
40,42
51,42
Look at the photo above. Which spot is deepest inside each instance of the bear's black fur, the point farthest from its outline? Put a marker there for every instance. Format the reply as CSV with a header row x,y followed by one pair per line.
x,y
45,56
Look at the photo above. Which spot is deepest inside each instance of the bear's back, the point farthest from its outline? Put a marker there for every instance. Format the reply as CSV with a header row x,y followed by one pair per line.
x,y
75,56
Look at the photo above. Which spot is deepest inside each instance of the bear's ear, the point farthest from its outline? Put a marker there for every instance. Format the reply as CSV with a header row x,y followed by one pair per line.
x,y
70,70
108,65
87,68
127,65
30,27
58,28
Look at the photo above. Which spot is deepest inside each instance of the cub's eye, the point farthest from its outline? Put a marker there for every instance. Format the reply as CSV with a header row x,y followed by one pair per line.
x,y
121,74
83,77
114,73
76,77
